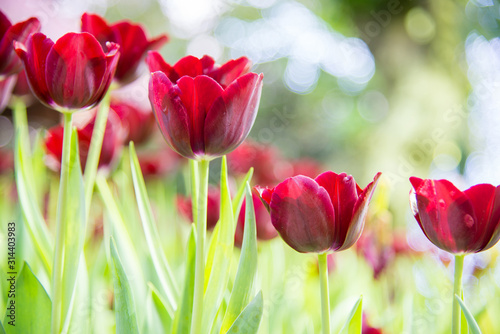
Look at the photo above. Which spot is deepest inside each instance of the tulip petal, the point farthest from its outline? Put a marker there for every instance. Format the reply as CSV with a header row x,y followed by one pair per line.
x,y
231,70
156,63
9,62
342,190
232,116
485,199
95,25
197,96
170,113
302,213
75,69
112,60
4,23
207,63
360,209
446,215
34,57
189,66
265,195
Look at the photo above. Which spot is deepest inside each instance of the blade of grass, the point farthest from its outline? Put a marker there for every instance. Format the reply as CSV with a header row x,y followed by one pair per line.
x,y
35,223
31,303
167,281
354,323
248,321
126,319
473,326
161,310
182,321
238,199
247,268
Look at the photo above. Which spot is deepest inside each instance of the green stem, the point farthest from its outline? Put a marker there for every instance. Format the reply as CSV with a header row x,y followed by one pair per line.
x,y
457,290
95,150
325,301
57,275
193,167
201,230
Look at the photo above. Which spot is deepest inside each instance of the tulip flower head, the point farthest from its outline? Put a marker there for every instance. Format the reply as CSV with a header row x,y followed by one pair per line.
x,y
71,74
185,207
318,215
9,61
455,221
204,111
131,38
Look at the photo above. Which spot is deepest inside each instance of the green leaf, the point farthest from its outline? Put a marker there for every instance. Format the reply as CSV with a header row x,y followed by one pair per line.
x,y
122,238
182,321
126,320
473,326
238,199
32,305
158,320
464,327
160,262
2,330
353,324
247,268
248,321
24,176
220,255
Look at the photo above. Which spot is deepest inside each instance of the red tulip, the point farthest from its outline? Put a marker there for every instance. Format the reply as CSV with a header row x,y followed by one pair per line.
x,y
185,207
455,221
367,328
319,215
158,163
265,229
203,111
71,74
131,38
9,61
6,86
138,122
112,144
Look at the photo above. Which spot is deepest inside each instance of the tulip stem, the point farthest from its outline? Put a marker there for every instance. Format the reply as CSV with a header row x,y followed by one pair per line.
x,y
325,300
457,290
57,274
201,230
95,150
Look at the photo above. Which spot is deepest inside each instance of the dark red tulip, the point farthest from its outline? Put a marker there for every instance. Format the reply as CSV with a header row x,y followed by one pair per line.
x,y
367,328
319,215
184,205
9,61
132,40
71,74
112,144
265,229
204,111
265,159
455,221
138,122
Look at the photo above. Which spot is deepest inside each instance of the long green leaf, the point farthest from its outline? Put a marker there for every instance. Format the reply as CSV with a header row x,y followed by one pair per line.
x,y
220,255
31,303
158,320
354,324
247,268
35,222
473,326
160,262
464,327
2,330
238,199
182,321
123,240
126,319
248,321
